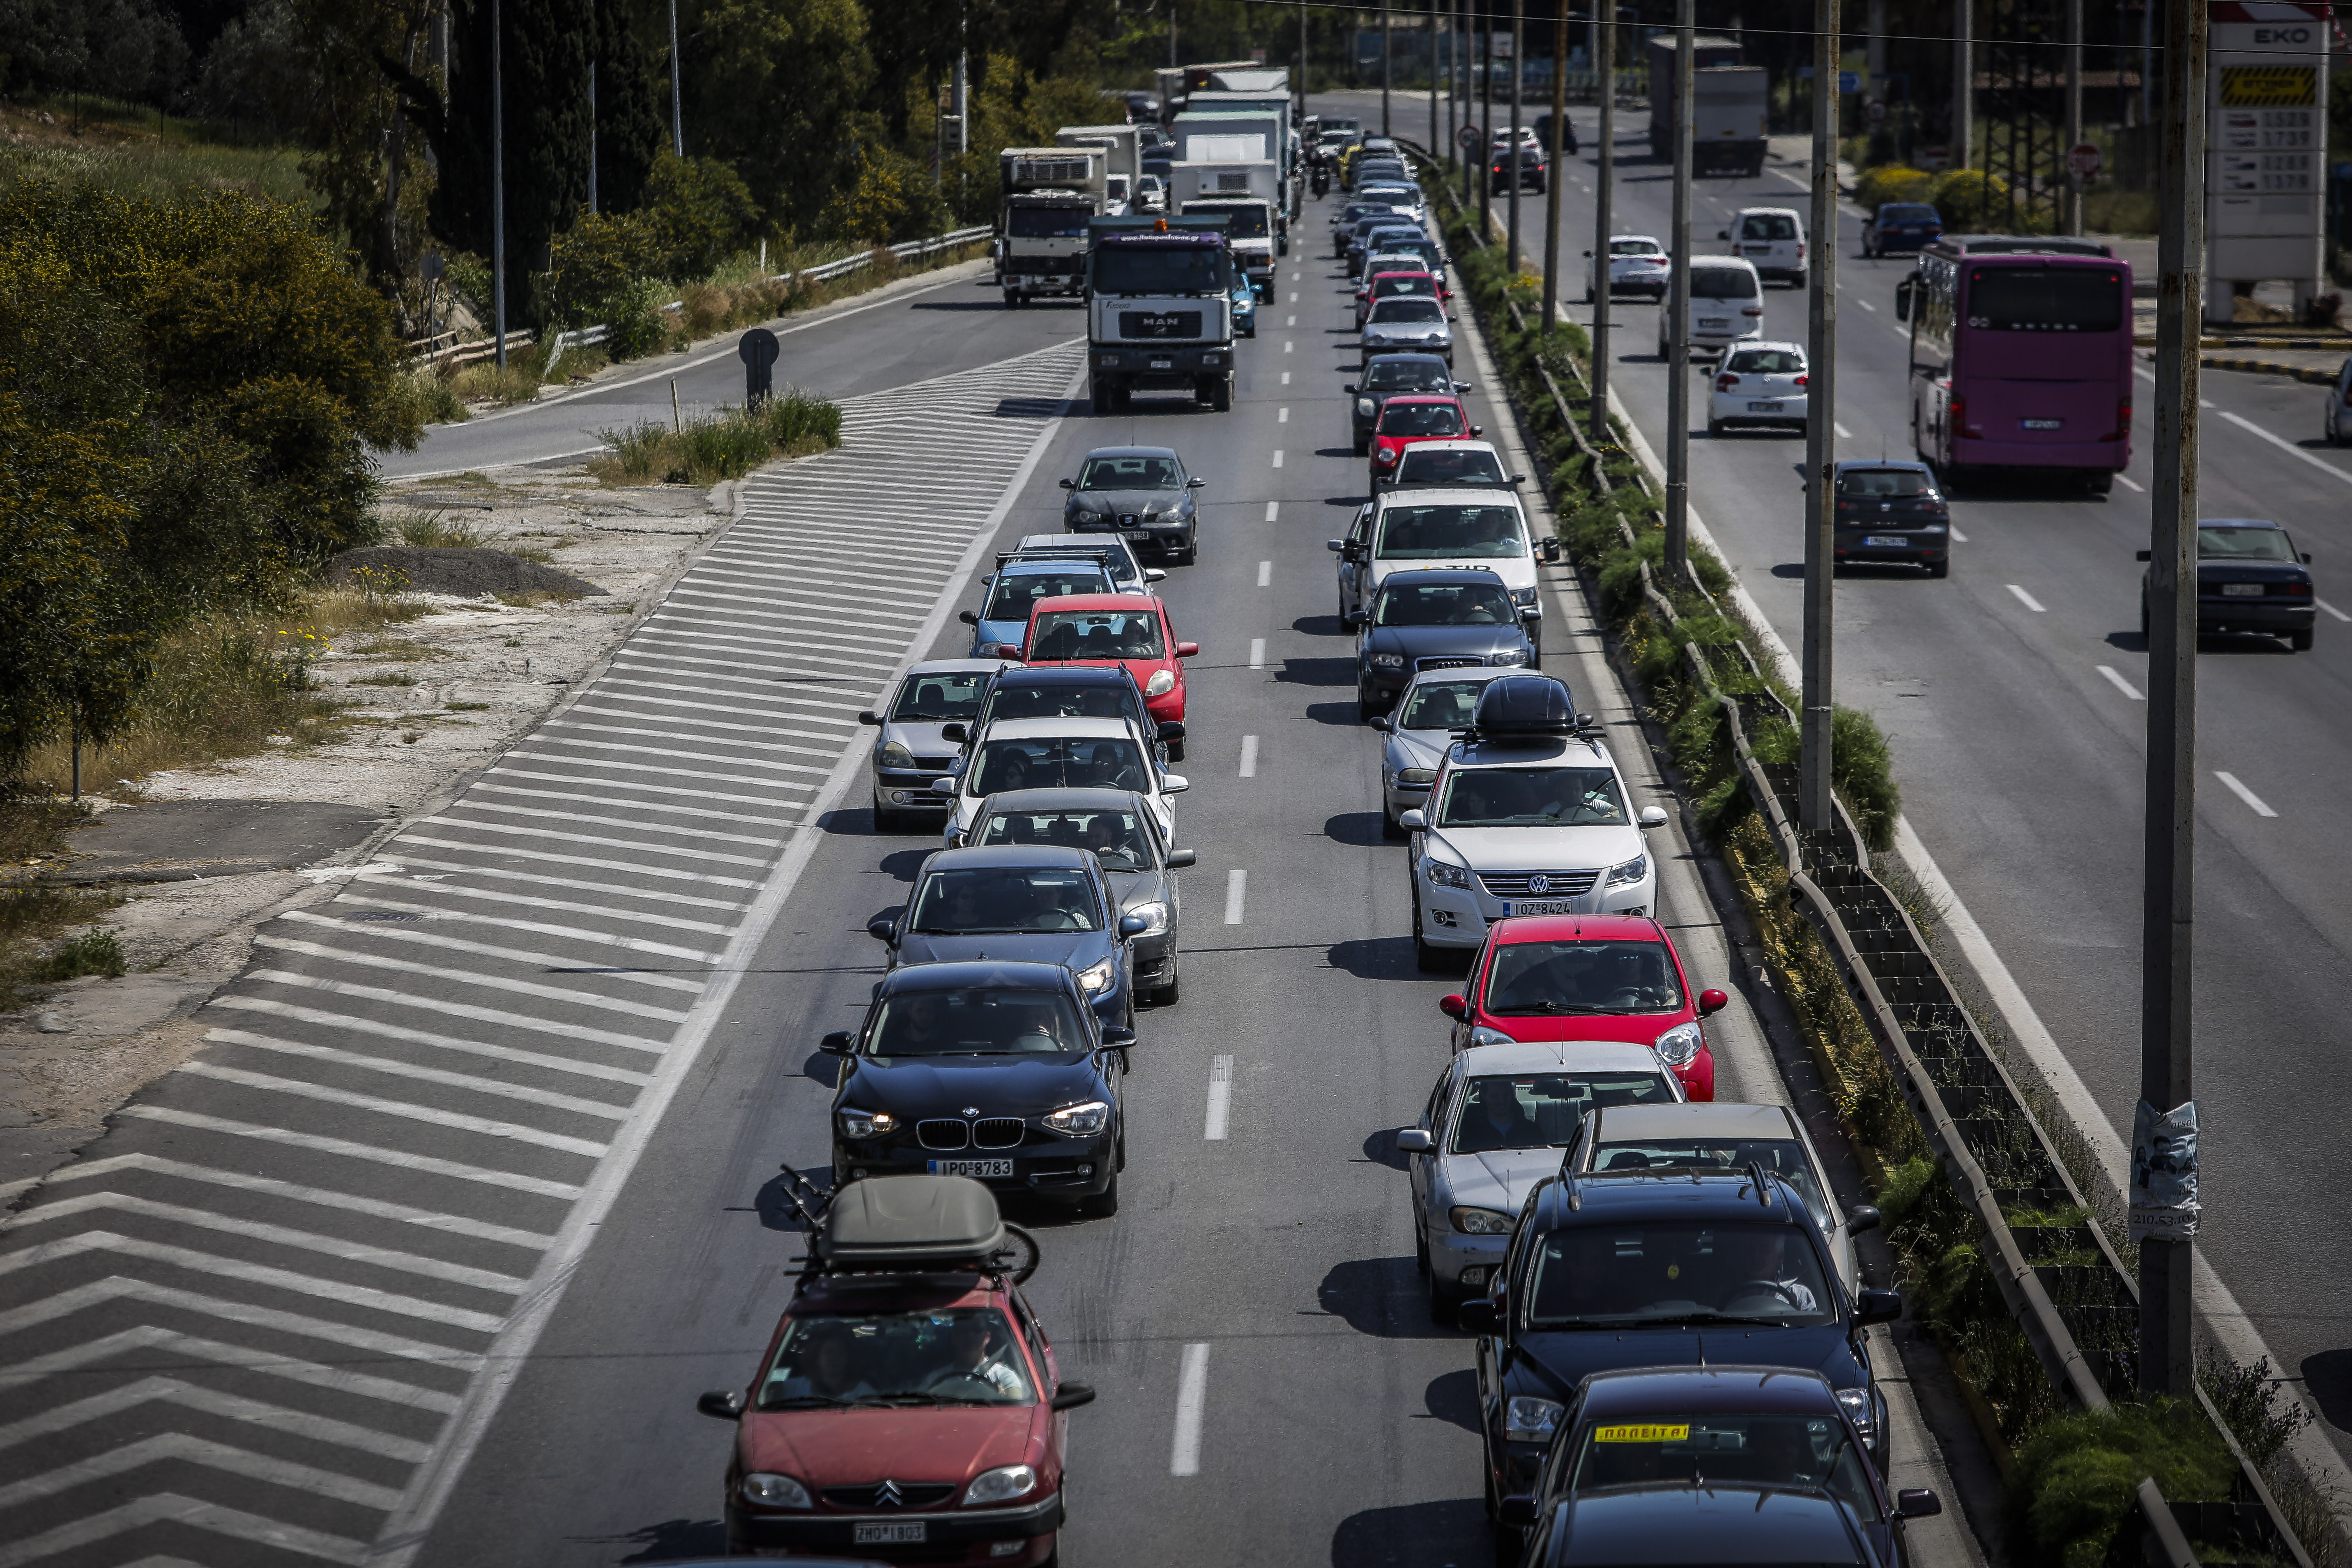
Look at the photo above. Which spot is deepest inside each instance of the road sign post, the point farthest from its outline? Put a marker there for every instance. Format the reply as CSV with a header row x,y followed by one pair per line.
x,y
758,349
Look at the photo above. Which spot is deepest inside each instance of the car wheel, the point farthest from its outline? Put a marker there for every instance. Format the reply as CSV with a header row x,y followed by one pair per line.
x,y
1103,1204
1715,429
1365,706
1175,750
2299,641
1165,995
1940,568
1221,397
2101,482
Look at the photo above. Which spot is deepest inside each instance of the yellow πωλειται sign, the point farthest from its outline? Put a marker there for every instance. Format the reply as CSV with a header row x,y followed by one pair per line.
x,y
1654,1432
2268,87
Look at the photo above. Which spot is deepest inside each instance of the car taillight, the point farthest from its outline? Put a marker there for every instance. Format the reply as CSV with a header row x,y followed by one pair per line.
x,y
1727,384
1803,379
1801,250
2298,590
2123,422
1751,309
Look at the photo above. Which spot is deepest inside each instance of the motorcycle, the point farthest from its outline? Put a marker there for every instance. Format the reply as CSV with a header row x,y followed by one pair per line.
x,y
1322,182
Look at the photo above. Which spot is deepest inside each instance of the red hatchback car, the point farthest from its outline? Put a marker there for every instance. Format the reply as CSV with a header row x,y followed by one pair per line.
x,y
1416,416
1114,628
908,1409
1587,977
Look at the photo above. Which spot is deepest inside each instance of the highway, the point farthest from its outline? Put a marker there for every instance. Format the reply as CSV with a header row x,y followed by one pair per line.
x,y
2013,694
426,1259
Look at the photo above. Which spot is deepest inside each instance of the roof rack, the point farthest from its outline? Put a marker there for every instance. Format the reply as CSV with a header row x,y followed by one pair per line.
x,y
1100,553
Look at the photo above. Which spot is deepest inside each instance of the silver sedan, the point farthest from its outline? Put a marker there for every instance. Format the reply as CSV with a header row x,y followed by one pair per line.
x,y
1433,705
1408,323
910,754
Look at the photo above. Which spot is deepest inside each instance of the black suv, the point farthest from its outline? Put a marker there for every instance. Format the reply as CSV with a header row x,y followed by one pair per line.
x,y
1624,1269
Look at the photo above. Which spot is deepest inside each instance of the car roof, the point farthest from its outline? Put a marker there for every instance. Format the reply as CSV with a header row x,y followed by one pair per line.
x,y
1739,261
1743,212
1712,1524
1068,674
1034,565
1577,928
1449,443
1465,672
1055,726
1064,799
1449,398
1680,1194
1133,452
955,974
953,667
2239,522
1571,1056
1707,1390
1904,465
1698,1118
1420,271
1069,544
1651,238
1124,604
1441,495
1769,344
1026,855
1441,575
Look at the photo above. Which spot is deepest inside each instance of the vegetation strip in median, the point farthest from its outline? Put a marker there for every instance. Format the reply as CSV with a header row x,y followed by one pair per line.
x,y
2000,1254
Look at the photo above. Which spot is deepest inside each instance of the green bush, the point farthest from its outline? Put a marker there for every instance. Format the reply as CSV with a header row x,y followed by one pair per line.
x,y
95,951
1892,183
1863,772
1967,198
2077,1477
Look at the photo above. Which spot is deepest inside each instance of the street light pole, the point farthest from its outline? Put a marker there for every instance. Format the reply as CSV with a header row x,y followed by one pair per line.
x,y
1604,61
1486,131
1387,12
2073,223
1434,145
676,108
1519,82
1558,175
1964,81
1814,809
2168,1361
498,185
1678,310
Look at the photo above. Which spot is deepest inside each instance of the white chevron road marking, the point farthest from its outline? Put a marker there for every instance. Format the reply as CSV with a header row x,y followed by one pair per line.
x,y
106,1241
213,1402
472,1083
406,1110
272,1007
318,1144
480,1014
170,1507
563,994
172,1342
121,1288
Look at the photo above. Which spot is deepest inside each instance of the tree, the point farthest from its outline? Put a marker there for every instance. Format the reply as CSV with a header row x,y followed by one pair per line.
x,y
629,129
361,156
769,85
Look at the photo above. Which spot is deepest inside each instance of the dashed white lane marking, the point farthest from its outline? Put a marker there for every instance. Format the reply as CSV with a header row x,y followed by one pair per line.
x,y
1277,456
1192,1395
1285,378
1236,891
2131,484
1287,345
1257,653
2120,684
2027,600
1867,306
1843,433
1294,297
1958,538
1265,573
2332,610
2242,792
1290,321
1221,1099
1249,756
1282,417
2283,444
1273,510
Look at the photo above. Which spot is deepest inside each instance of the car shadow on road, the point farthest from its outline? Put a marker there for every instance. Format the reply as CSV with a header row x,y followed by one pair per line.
x,y
1380,1149
1453,1398
1359,828
1376,958
1321,626
821,1068
1792,569
1382,1297
2329,1376
902,864
1451,1532
1348,452
671,1541
772,1204
1318,672
1341,714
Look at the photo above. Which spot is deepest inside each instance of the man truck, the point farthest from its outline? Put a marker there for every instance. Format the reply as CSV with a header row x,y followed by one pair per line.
x,y
1159,310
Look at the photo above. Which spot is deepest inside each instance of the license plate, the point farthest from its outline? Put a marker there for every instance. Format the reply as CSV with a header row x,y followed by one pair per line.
x,y
2041,424
960,1168
1717,324
2242,590
1548,907
915,1532
1163,365
1763,409
1882,542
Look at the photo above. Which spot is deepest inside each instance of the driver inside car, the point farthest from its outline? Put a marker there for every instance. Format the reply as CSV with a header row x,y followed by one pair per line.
x,y
1496,1121
1760,1258
973,1357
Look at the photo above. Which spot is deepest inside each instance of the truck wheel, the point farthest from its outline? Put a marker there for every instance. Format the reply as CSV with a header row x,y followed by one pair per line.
x,y
1221,398
2099,482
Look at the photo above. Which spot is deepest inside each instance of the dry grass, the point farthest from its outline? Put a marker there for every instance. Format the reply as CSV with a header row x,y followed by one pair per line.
x,y
722,445
384,677
533,598
435,530
486,382
33,918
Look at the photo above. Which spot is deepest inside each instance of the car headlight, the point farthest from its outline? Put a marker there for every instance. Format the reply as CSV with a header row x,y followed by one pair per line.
x,y
1416,776
1082,1120
1678,1047
1162,683
860,1124
1365,405
1523,598
1509,656
1155,917
1388,661
1527,1419
894,755
1096,978
1483,1035
1631,872
1445,873
1481,1222
765,1488
997,1485
1865,1421
1387,455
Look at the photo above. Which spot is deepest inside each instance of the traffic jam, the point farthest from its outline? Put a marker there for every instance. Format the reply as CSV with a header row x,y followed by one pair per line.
x,y
1660,1298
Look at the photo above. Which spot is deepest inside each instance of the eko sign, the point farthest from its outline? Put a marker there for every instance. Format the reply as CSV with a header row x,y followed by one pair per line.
x,y
2266,123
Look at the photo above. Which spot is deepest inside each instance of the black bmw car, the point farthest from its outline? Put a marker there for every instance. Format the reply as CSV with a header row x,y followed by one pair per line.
x,y
1388,375
2250,578
1000,1071
1890,513
1453,617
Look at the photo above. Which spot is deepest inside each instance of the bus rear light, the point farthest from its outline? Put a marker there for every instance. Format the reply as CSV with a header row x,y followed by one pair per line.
x,y
1959,418
2123,422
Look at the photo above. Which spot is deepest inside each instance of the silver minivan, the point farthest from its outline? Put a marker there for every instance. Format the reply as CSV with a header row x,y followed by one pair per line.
x,y
1726,304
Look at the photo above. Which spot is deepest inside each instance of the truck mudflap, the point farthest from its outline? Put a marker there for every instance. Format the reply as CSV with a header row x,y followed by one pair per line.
x,y
1204,370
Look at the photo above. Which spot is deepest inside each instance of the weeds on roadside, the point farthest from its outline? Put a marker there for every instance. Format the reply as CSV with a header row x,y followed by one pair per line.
x,y
384,677
435,530
722,445
30,917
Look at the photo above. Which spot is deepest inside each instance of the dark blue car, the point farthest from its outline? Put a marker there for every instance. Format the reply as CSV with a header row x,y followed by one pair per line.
x,y
1032,904
1900,228
1445,618
1720,1464
1623,1269
994,1070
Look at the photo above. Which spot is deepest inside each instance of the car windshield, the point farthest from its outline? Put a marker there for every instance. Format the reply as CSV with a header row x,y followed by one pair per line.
x,y
1132,472
1399,283
1159,269
1406,310
1445,605
1409,373
1523,797
1884,483
1539,978
1015,593
1678,1449
1635,248
1451,532
1633,1274
1106,763
1542,1111
1767,226
1766,362
1440,705
1095,633
1248,219
1047,223
1722,283
1783,1157
958,1355
976,1021
2224,542
1402,418
1357,212
1907,212
2046,300
1117,838
1422,466
1094,699
955,695
990,900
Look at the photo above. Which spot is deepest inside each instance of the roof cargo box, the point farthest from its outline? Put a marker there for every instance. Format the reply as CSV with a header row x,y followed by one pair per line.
x,y
1524,705
911,1223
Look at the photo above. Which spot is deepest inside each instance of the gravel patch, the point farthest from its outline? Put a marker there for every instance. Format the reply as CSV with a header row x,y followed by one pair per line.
x,y
463,574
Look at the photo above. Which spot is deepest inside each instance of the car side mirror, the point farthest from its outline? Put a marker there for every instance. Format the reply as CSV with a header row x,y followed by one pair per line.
x,y
2143,554
1011,650
1517,1511
1153,575
1653,816
1723,234
1550,545
1070,1395
1349,389
1877,1307
1711,1002
1133,925
1196,482
1381,722
1465,386
955,732
1861,1217
1069,484
837,1044
1179,858
1336,546
943,786
1117,1035
727,1405
1188,650
967,617
1454,1007
1917,1502
882,928
1478,1315
1352,618
2306,558
869,717
1477,429
1413,1141
1174,784
1588,253
1413,821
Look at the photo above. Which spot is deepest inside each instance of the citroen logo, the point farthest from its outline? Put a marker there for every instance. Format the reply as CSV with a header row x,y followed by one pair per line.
x,y
1539,883
887,1495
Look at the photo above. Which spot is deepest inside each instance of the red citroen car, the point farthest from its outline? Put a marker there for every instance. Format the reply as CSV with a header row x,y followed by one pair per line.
x,y
908,1409
1587,977
1114,628
1416,416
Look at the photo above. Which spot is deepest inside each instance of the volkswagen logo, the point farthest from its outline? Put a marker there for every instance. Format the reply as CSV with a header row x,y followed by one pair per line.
x,y
887,1495
1539,883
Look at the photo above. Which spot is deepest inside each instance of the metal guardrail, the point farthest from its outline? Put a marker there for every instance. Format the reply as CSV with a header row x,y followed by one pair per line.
x,y
2081,1319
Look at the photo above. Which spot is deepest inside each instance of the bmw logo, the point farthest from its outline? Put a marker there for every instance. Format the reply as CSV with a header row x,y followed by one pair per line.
x,y
1539,883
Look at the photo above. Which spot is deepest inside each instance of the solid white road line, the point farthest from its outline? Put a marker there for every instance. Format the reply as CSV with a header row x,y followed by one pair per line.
x,y
1265,573
1958,538
2120,684
1236,889
1277,456
1221,1098
2283,444
1192,1396
2027,600
1273,510
1249,756
2253,800
1257,653
2131,484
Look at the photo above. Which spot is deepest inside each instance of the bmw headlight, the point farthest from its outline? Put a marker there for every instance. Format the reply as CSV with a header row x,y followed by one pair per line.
x,y
1678,1047
1388,661
1096,978
894,755
998,1485
765,1489
858,1125
1482,1222
1483,1036
1527,1419
1082,1120
1866,1418
1445,873
1155,917
1365,406
1509,656
1631,872
1162,683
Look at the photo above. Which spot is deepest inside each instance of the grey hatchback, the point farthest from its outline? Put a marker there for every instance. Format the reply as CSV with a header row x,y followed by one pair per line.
x,y
1140,493
1118,826
910,751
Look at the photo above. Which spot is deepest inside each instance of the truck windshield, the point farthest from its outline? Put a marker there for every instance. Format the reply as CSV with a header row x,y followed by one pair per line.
x,y
2045,300
1248,220
1159,269
1046,222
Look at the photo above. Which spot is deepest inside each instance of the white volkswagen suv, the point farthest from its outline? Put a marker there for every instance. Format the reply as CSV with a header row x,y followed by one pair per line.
x,y
1528,817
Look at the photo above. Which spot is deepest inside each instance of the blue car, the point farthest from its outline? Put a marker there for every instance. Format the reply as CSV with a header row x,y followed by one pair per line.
x,y
1622,1268
1900,228
999,1072
1003,621
1245,308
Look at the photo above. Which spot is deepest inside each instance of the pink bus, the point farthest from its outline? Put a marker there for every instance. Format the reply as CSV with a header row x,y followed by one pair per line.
x,y
2020,357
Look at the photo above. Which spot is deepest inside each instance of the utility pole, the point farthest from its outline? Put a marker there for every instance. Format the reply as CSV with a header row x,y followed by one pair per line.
x,y
676,106
591,135
1487,135
1519,82
1964,81
1387,14
2073,138
1815,810
1678,309
498,185
1558,175
1433,142
1302,60
2168,1360
1463,65
1604,64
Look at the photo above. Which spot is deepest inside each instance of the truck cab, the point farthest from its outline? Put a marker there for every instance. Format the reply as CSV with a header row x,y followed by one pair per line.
x,y
1050,194
1158,311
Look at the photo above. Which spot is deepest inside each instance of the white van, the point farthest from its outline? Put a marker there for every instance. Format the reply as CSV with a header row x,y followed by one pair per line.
x,y
1424,529
1726,304
1769,239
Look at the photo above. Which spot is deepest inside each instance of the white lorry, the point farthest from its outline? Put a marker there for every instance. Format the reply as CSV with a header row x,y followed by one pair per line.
x,y
1246,193
1728,108
1049,193
1123,154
